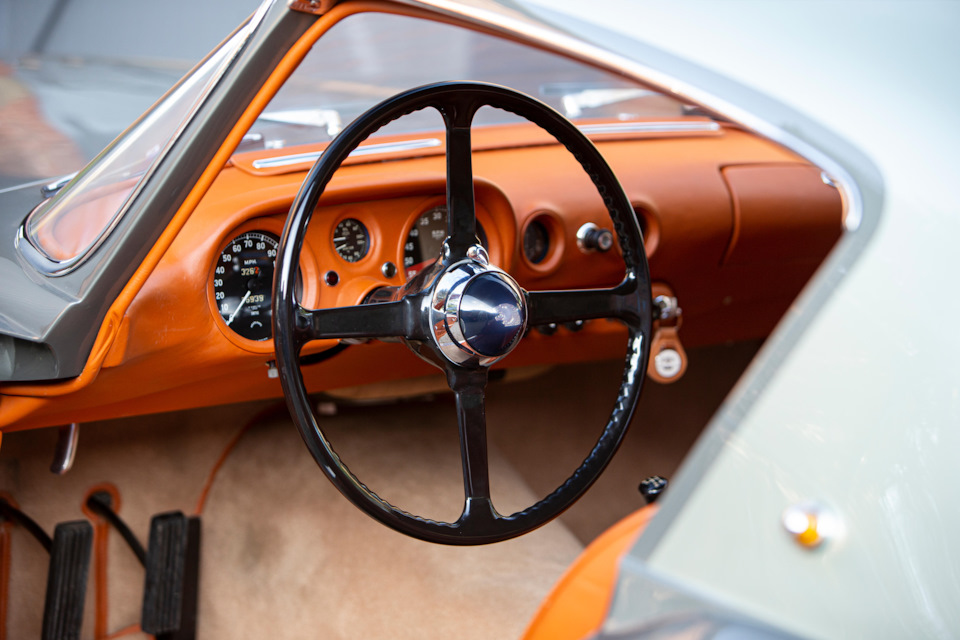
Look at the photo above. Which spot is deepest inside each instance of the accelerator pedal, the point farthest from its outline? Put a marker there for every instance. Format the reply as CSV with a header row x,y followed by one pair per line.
x,y
67,580
173,570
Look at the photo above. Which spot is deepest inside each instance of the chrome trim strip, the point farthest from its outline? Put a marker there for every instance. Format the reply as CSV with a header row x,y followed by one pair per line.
x,y
648,127
429,143
364,150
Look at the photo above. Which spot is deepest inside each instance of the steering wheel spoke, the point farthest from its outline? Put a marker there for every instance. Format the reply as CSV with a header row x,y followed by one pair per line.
x,y
381,320
461,207
545,307
469,386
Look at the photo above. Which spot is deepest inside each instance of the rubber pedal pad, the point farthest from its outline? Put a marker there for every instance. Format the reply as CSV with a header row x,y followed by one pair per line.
x,y
170,588
67,580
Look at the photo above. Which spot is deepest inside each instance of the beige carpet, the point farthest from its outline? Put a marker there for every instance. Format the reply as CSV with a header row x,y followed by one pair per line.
x,y
545,427
285,556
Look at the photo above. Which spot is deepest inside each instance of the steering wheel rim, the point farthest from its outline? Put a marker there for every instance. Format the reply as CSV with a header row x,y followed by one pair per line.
x,y
405,313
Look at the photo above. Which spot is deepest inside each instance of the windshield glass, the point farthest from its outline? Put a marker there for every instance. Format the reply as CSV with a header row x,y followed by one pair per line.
x,y
371,56
66,227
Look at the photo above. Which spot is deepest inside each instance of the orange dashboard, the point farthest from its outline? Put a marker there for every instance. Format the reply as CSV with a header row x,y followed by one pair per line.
x,y
733,225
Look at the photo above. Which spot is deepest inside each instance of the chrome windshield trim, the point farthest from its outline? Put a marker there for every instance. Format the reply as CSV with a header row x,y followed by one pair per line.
x,y
648,127
49,266
363,150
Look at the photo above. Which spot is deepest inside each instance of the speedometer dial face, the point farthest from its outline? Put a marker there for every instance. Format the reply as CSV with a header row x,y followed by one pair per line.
x,y
425,240
351,240
243,282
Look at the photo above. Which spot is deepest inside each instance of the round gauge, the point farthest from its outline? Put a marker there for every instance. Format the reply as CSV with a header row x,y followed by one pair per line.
x,y
243,283
536,242
425,240
351,240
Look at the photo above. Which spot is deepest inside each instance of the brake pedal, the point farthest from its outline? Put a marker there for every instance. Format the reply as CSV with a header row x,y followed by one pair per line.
x,y
67,580
173,564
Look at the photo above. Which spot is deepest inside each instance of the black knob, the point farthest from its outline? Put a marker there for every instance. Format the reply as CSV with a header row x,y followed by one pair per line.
x,y
547,329
652,487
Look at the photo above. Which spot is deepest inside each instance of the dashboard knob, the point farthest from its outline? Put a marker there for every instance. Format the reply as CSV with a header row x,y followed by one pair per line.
x,y
592,238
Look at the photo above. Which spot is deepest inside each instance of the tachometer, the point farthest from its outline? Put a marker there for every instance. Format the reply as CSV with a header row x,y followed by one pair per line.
x,y
351,240
426,238
243,282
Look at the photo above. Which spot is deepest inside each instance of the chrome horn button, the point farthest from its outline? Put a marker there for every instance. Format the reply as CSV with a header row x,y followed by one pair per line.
x,y
491,314
478,313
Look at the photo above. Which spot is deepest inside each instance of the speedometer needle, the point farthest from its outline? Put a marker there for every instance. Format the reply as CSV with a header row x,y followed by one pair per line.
x,y
239,306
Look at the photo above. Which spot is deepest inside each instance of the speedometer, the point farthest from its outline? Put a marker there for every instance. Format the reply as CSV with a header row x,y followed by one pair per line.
x,y
242,283
425,240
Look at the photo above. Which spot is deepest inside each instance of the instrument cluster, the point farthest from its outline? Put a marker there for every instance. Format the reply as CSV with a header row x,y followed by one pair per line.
x,y
361,242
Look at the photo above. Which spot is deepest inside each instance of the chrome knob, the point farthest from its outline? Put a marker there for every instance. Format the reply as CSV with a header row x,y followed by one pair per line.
x,y
592,238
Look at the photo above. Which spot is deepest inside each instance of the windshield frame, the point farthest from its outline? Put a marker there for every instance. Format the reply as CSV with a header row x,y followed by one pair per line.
x,y
100,173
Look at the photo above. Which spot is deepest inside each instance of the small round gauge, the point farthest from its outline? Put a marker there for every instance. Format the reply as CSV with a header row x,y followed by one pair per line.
x,y
536,242
425,240
351,240
243,282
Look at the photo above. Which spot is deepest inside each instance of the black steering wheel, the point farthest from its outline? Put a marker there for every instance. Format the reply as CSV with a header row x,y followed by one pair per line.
x,y
462,314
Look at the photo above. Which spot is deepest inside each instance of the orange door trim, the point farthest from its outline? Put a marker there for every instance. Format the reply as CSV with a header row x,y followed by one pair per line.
x,y
578,604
